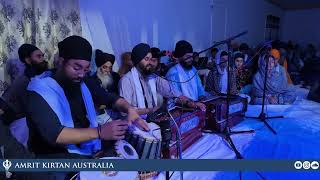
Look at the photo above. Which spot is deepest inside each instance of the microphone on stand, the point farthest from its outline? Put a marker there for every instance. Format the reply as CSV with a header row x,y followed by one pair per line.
x,y
165,127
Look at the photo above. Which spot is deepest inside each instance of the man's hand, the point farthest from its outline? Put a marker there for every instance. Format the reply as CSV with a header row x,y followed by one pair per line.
x,y
133,117
201,106
196,105
114,130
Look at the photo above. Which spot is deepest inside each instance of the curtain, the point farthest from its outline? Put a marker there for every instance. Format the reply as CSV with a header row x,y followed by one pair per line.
x,y
40,22
94,29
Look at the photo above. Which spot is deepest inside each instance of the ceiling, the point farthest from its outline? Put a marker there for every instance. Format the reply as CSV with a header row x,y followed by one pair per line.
x,y
296,4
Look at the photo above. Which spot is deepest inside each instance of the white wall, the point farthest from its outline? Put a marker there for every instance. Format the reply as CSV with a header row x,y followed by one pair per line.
x,y
248,15
163,23
158,23
302,26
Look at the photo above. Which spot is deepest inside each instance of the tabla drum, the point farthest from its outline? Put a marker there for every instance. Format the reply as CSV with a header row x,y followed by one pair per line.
x,y
125,150
106,175
147,144
148,175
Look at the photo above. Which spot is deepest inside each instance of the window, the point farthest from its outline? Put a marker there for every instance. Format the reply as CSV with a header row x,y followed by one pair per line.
x,y
272,28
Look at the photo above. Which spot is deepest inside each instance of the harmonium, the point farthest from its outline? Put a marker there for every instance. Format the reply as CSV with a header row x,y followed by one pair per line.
x,y
190,122
216,113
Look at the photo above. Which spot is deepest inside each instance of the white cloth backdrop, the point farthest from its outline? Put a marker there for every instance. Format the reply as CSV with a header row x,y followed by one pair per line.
x,y
94,29
115,27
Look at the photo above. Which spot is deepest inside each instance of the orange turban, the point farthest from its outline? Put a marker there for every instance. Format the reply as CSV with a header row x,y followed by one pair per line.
x,y
275,53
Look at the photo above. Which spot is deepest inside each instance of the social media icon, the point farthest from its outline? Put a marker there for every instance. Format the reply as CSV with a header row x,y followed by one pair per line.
x,y
314,165
298,164
306,165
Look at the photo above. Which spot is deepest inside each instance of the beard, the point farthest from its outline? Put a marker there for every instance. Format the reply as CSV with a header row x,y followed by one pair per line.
x,y
147,70
106,79
186,65
40,67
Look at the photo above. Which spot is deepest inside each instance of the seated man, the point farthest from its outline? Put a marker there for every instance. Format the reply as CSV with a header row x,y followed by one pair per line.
x,y
140,87
183,76
60,109
104,76
15,97
278,91
217,82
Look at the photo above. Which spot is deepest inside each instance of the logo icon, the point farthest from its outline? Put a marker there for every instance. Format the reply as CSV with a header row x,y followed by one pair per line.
x,y
314,165
7,164
298,164
306,165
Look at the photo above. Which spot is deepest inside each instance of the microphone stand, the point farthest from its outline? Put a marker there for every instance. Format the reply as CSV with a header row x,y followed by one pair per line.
x,y
179,143
263,115
226,134
164,109
227,131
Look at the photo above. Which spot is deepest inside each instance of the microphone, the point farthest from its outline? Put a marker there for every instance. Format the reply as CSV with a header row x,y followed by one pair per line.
x,y
165,125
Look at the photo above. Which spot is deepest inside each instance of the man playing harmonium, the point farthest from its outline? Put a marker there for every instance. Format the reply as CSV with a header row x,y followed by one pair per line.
x,y
143,89
60,109
183,76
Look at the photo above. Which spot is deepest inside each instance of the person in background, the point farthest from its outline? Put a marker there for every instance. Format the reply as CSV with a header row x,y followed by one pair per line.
x,y
15,97
278,91
243,74
217,82
104,76
244,49
126,64
212,58
281,60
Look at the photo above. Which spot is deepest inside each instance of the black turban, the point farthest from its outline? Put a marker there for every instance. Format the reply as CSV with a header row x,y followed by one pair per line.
x,y
139,52
102,58
75,47
25,51
182,47
155,52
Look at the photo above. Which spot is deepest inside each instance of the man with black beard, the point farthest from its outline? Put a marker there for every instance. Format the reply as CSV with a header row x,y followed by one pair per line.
x,y
155,62
184,76
13,100
60,110
14,131
143,89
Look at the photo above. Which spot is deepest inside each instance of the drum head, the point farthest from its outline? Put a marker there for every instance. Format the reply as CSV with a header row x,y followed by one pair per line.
x,y
125,150
153,134
105,175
